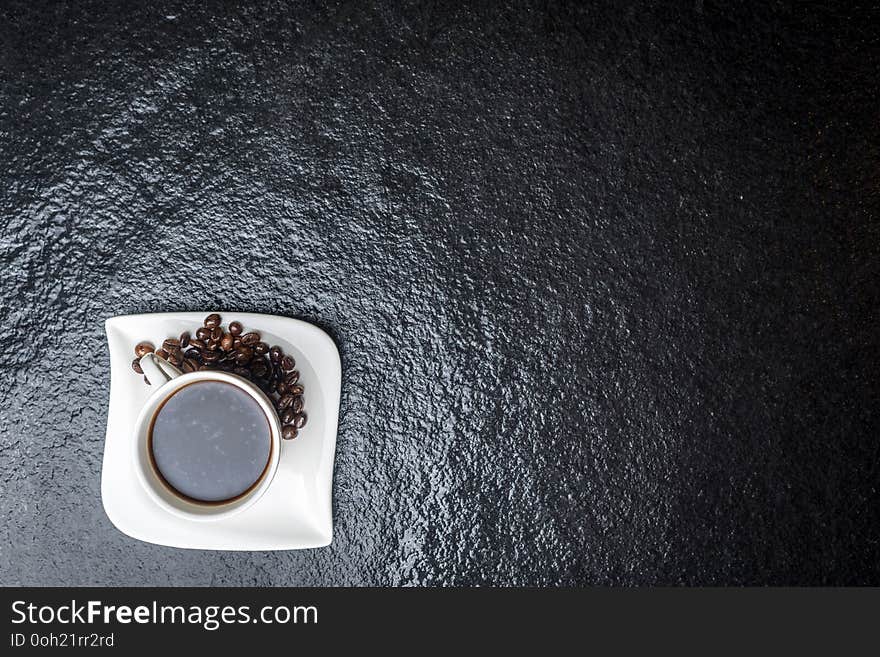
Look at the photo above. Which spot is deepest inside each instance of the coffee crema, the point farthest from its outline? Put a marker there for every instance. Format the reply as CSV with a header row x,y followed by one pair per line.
x,y
210,442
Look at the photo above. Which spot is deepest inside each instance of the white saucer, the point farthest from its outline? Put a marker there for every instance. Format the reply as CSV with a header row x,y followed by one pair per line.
x,y
296,510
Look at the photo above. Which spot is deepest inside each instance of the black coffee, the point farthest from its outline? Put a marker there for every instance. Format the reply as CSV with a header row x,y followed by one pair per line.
x,y
211,441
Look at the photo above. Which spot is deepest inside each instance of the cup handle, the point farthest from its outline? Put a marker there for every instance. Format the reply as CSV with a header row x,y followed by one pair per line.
x,y
158,371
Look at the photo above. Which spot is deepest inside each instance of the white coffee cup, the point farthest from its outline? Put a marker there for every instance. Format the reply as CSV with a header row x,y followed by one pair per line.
x,y
167,379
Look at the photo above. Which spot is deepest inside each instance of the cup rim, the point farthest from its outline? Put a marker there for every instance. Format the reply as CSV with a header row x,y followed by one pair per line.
x,y
181,507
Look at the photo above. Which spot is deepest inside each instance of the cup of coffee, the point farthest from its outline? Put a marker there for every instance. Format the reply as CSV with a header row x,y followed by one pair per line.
x,y
207,443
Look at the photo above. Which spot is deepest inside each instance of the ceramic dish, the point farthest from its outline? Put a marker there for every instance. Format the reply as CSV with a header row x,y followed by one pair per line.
x,y
296,510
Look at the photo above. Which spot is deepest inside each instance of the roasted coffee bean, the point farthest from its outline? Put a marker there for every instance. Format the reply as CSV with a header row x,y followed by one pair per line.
x,y
147,381
143,348
243,355
226,342
250,339
289,433
136,365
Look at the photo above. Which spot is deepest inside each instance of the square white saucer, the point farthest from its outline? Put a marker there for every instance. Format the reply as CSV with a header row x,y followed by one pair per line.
x,y
296,510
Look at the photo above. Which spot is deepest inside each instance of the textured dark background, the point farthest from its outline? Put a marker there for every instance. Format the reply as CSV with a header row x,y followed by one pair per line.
x,y
604,278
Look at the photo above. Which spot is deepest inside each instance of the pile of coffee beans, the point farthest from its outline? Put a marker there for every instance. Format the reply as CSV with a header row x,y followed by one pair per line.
x,y
242,353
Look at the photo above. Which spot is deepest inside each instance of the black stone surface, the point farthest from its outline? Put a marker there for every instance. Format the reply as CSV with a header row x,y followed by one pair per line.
x,y
604,278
